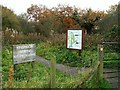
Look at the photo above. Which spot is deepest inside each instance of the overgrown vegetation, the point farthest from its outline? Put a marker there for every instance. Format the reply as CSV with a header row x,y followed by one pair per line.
x,y
47,29
39,75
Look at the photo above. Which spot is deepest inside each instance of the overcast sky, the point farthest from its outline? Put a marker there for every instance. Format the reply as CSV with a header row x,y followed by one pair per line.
x,y
20,6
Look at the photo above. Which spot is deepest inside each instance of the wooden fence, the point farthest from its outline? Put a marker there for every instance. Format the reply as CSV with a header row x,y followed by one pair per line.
x,y
99,70
95,69
111,67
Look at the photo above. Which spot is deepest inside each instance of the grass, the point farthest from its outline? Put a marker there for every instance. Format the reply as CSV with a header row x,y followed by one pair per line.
x,y
65,56
40,78
103,83
40,74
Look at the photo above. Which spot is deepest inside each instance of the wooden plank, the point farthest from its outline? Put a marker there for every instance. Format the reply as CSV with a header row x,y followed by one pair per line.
x,y
115,85
24,53
109,70
111,75
113,80
110,42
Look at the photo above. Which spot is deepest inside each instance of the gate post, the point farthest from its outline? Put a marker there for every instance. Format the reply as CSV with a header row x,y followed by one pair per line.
x,y
100,58
53,72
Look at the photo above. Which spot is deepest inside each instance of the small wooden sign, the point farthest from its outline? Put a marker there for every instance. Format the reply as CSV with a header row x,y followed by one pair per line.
x,y
75,39
24,53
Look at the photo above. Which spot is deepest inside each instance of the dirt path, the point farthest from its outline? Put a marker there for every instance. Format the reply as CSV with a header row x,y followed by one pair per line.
x,y
64,69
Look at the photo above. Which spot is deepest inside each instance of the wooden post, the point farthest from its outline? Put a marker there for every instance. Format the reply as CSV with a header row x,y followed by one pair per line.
x,y
28,75
10,80
80,53
15,68
0,81
53,72
32,64
100,58
29,72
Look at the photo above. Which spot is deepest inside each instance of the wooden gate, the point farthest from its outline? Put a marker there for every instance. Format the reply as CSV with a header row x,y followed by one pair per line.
x,y
111,62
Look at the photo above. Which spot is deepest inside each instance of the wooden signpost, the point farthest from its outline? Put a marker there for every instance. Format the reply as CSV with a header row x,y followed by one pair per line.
x,y
23,53
74,40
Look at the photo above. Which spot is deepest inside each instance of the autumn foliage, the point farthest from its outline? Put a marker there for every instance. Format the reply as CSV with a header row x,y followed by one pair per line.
x,y
63,17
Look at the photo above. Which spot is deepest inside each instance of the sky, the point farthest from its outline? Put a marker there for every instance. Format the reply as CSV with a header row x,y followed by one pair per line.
x,y
20,6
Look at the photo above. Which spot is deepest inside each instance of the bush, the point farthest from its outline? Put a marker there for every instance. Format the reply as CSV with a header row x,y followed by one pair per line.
x,y
113,34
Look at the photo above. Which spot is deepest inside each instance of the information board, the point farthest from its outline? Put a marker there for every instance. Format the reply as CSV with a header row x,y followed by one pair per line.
x,y
24,53
75,39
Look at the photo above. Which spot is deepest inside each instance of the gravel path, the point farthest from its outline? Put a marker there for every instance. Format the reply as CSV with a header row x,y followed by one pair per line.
x,y
64,69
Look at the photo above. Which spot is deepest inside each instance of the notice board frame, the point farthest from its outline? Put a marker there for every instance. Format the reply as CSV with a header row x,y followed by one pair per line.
x,y
82,39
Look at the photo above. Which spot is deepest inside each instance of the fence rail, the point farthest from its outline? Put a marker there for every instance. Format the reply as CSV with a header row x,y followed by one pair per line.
x,y
111,67
110,43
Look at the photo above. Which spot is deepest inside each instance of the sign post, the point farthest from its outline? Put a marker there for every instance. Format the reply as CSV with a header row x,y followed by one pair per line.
x,y
75,40
23,53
